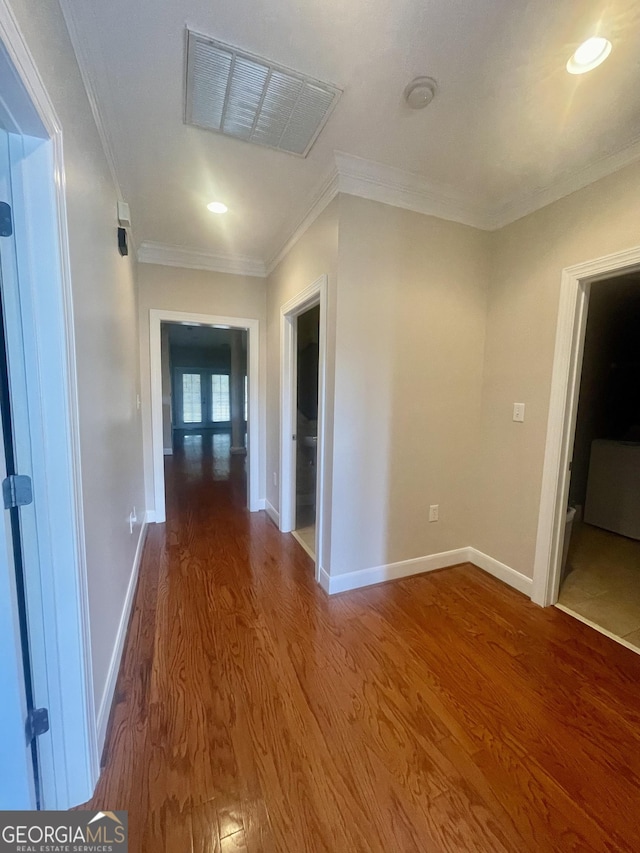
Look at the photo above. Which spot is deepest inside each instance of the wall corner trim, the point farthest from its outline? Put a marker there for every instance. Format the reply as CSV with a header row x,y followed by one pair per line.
x,y
273,513
121,636
325,581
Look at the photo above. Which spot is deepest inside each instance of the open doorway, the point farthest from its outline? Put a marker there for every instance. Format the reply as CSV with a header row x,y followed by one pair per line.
x,y
302,441
600,570
307,371
204,385
210,397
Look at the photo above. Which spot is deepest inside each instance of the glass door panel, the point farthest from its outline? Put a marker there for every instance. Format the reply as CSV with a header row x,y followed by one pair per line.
x,y
191,398
220,409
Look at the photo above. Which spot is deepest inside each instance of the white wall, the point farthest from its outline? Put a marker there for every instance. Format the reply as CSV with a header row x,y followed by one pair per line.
x,y
104,301
199,292
409,348
315,254
527,262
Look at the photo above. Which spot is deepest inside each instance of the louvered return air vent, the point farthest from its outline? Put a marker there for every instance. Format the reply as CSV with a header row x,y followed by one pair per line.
x,y
240,95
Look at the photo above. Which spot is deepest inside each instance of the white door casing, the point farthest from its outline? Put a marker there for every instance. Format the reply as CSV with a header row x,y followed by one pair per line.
x,y
42,305
314,294
156,318
563,409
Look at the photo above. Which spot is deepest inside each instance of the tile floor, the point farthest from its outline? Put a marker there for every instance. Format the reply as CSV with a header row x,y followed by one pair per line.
x,y
308,537
603,584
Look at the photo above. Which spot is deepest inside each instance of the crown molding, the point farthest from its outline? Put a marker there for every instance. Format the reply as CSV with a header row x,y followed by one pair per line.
x,y
407,190
194,259
398,188
323,195
510,212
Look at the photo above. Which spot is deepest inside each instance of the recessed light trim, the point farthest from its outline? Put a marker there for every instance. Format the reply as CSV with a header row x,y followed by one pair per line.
x,y
589,55
217,207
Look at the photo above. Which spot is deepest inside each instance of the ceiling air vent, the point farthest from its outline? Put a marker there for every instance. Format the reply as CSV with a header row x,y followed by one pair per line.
x,y
250,98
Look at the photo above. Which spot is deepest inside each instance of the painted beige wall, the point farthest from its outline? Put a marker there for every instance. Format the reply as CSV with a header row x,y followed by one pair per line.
x,y
409,349
104,302
527,262
200,292
315,254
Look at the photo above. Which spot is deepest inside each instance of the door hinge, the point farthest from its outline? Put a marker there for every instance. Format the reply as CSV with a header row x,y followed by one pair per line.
x,y
37,723
6,223
17,491
293,438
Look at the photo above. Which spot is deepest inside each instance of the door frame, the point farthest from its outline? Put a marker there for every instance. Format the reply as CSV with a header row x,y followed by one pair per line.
x,y
563,410
157,316
69,759
314,294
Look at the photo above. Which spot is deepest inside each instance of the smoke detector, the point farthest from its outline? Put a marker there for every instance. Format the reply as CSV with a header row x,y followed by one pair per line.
x,y
236,93
420,92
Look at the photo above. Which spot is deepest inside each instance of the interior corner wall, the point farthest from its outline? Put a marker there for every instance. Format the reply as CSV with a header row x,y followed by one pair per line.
x,y
528,258
409,349
197,292
313,255
106,335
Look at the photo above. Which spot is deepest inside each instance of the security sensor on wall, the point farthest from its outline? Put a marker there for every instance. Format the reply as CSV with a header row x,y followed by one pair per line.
x,y
123,247
124,218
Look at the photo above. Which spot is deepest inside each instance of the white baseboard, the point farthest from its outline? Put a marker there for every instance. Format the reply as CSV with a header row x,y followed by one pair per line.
x,y
150,516
168,451
501,571
391,571
273,513
394,571
325,581
116,655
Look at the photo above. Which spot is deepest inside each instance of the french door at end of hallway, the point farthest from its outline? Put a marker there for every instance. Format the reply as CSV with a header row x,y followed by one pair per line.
x,y
202,398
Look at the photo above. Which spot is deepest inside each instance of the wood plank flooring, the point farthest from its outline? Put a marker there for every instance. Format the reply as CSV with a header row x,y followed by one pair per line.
x,y
443,712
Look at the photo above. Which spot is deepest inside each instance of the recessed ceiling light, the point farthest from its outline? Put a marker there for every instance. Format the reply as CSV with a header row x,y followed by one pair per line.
x,y
589,55
217,207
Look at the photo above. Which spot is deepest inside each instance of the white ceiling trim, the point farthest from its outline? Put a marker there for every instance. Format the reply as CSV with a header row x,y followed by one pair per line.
x,y
181,256
574,181
321,198
386,184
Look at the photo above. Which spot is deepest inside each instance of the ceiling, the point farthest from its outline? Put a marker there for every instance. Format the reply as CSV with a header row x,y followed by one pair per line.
x,y
508,130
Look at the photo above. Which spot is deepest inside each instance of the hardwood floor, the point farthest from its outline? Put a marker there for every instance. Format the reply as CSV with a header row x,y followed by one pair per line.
x,y
440,712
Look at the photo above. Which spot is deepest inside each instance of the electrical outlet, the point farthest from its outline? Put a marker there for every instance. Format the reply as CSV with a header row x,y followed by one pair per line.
x,y
434,511
518,412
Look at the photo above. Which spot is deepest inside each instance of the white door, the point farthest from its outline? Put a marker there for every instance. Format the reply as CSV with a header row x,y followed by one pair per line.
x,y
18,547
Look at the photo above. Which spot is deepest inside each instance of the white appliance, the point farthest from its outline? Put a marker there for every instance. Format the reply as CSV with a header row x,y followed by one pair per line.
x,y
613,487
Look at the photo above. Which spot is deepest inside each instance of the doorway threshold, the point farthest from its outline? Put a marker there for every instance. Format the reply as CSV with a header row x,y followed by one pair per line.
x,y
620,640
306,547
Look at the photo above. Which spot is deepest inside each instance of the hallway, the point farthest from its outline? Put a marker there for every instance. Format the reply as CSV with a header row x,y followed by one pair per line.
x,y
441,712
